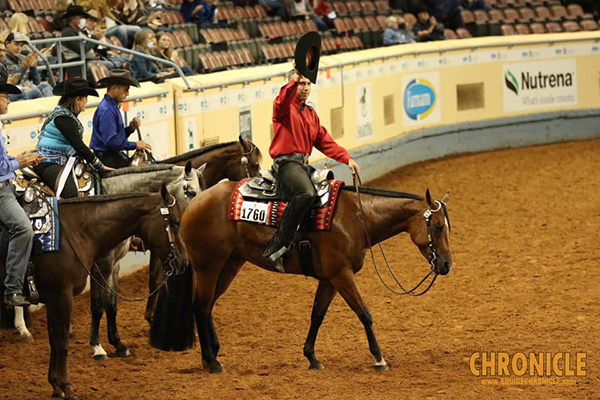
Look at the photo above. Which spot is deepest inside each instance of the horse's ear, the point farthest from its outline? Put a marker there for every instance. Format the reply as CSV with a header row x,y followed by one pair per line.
x,y
446,197
188,167
200,173
428,197
244,142
164,192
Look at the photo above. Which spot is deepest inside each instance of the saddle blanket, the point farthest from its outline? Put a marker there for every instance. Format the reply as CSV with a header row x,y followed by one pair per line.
x,y
269,212
43,214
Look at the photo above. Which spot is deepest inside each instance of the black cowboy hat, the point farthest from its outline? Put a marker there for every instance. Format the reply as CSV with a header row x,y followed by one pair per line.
x,y
8,88
73,87
75,11
119,77
307,54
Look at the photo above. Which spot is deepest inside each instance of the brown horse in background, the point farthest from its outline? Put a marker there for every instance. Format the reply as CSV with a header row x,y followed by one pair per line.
x,y
90,227
217,249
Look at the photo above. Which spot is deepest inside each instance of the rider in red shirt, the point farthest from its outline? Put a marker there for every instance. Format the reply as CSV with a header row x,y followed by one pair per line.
x,y
297,130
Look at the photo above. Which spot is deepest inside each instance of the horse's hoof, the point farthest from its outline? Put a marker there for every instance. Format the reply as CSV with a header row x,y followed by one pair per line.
x,y
123,353
58,395
381,368
205,364
217,369
316,365
26,339
100,357
72,398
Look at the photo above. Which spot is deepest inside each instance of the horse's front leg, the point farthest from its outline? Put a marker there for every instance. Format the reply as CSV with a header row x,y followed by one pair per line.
x,y
325,294
204,290
346,286
25,335
58,311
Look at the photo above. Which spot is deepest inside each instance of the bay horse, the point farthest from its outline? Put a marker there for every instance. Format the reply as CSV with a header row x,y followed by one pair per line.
x,y
232,160
218,247
91,227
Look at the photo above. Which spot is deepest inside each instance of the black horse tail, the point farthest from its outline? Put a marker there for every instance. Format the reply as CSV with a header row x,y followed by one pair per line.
x,y
172,327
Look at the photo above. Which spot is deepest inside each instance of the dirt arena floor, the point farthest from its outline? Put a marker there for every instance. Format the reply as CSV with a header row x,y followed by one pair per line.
x,y
525,279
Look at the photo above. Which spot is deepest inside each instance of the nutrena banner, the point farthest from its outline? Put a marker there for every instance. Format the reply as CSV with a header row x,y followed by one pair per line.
x,y
421,99
542,84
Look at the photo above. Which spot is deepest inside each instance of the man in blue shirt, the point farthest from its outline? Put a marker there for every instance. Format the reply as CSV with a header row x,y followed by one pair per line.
x,y
109,135
12,215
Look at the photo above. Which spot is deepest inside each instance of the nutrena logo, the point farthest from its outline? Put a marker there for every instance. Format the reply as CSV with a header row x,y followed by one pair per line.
x,y
539,80
419,99
511,82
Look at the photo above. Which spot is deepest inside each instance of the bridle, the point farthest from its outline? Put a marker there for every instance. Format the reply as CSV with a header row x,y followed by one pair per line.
x,y
169,263
427,214
433,256
244,159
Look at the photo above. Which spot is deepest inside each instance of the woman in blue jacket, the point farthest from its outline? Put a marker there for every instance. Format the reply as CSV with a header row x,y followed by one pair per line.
x,y
142,68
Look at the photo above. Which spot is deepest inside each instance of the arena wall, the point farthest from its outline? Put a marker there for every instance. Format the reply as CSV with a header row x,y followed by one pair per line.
x,y
388,106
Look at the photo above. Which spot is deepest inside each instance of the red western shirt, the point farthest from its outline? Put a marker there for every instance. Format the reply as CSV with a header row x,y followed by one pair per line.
x,y
299,132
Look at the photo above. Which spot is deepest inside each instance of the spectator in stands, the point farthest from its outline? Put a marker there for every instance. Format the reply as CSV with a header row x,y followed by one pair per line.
x,y
110,58
447,12
30,82
396,32
114,26
274,7
109,135
200,12
11,79
473,5
427,28
17,23
143,68
301,10
165,50
133,12
76,22
61,136
324,12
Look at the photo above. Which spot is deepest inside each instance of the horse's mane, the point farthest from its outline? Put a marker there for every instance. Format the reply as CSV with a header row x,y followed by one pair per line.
x,y
102,198
194,153
139,170
383,192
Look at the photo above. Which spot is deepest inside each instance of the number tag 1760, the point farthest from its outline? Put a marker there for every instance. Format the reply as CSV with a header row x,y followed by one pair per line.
x,y
254,212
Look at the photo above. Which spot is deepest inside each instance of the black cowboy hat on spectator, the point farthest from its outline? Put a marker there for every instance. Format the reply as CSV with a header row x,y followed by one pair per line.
x,y
307,54
17,37
7,87
75,11
119,77
74,87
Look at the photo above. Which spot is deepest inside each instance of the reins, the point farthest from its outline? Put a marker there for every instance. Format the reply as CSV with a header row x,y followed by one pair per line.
x,y
106,286
357,183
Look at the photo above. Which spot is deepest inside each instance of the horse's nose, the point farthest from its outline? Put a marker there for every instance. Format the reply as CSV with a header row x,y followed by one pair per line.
x,y
448,266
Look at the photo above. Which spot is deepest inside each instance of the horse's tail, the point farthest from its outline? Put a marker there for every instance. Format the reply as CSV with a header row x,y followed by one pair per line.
x,y
172,328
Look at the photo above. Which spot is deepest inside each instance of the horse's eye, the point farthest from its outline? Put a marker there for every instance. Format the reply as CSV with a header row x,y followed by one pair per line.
x,y
439,227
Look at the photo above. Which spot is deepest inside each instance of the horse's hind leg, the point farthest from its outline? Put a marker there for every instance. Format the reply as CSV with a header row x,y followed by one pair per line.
x,y
111,314
58,310
97,308
323,297
346,286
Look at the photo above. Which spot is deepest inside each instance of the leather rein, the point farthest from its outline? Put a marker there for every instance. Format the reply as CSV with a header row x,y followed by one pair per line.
x,y
433,256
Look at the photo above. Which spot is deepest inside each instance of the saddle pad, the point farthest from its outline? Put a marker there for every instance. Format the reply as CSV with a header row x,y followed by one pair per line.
x,y
269,212
42,211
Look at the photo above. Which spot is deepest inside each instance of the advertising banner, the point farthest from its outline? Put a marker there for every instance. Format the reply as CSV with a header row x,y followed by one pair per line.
x,y
421,99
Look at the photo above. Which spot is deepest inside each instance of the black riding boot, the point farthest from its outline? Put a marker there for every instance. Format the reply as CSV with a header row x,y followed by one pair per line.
x,y
290,220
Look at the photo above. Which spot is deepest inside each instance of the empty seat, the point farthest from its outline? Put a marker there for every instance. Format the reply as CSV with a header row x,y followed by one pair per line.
x,y
410,19
507,30
462,33
522,29
571,26
589,25
543,13
449,34
527,14
511,15
536,27
576,11
553,27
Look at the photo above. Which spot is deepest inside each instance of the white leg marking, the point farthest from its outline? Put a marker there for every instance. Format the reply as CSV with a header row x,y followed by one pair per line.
x,y
99,351
381,363
26,336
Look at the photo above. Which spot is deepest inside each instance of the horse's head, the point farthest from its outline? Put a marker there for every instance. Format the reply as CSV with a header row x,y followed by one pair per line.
x,y
249,162
161,234
430,230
